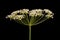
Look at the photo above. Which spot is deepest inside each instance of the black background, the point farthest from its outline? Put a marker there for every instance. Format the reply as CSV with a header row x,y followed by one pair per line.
x,y
10,30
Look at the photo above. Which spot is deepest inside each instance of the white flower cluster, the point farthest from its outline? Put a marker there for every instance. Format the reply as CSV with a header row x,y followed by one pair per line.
x,y
49,13
36,12
33,13
24,11
18,17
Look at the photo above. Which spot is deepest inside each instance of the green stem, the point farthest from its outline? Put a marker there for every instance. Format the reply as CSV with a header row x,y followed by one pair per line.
x,y
39,18
41,21
23,22
29,32
27,18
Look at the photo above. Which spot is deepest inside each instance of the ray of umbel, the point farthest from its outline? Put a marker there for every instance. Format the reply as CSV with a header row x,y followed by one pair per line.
x,y
30,17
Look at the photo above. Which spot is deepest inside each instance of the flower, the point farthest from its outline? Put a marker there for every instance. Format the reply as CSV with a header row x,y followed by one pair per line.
x,y
24,11
31,17
18,17
36,12
49,16
15,12
32,13
10,16
48,11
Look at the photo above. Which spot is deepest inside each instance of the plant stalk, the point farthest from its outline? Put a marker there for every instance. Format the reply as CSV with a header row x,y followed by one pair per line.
x,y
29,32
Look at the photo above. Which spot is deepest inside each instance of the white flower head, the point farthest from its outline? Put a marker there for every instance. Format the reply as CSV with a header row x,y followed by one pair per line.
x,y
14,15
18,17
32,14
23,11
10,16
36,12
32,17
48,11
15,12
49,16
